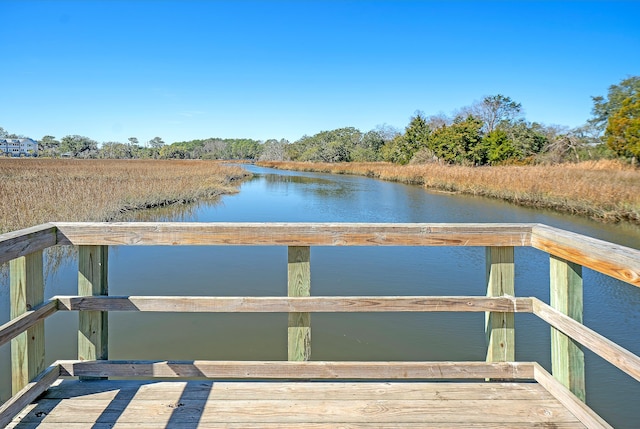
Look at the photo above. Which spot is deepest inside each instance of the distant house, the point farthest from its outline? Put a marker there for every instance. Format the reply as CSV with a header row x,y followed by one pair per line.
x,y
18,147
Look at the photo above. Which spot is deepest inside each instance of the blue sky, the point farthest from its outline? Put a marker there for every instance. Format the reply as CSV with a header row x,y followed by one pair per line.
x,y
191,69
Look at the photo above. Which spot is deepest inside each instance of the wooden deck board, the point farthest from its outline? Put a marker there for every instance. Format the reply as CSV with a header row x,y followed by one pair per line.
x,y
102,404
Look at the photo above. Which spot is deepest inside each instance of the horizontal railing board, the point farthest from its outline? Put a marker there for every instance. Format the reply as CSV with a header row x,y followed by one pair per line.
x,y
299,370
26,395
570,401
620,262
25,241
295,304
16,326
294,234
613,353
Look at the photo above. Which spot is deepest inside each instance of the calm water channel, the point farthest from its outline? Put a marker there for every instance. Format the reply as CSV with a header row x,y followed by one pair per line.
x,y
611,308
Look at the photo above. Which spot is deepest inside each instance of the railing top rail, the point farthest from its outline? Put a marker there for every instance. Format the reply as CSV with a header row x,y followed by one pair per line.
x,y
620,262
295,234
20,243
611,259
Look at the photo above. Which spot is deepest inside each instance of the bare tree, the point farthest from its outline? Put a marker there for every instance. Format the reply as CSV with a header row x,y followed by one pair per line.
x,y
273,150
493,110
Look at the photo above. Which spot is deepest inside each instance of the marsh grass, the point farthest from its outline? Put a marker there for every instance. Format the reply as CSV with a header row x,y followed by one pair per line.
x,y
604,190
35,191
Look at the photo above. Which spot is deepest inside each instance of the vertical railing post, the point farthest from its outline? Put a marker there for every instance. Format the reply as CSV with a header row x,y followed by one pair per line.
x,y
92,280
567,359
299,284
26,292
500,327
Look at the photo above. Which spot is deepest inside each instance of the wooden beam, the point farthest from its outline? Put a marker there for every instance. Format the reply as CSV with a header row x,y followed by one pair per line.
x,y
299,370
27,293
500,326
309,304
571,402
25,241
299,285
620,262
620,357
18,325
28,394
92,280
567,359
294,234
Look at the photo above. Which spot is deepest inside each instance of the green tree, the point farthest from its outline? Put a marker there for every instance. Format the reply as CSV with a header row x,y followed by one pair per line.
x,y
623,129
605,107
173,152
156,143
402,148
392,150
528,139
326,146
115,150
79,146
243,149
498,147
460,143
4,134
368,148
49,146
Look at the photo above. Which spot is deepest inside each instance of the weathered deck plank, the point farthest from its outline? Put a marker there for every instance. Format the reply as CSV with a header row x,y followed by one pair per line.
x,y
209,404
204,389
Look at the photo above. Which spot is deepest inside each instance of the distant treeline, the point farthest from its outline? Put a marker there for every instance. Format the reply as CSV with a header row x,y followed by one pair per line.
x,y
491,131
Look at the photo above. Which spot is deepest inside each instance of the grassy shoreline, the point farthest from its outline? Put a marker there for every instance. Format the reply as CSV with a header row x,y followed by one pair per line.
x,y
607,191
35,191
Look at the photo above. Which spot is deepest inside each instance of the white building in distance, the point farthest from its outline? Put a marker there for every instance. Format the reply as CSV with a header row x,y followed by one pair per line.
x,y
18,147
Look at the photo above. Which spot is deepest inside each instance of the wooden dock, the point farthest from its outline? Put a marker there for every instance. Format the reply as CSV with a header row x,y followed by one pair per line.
x,y
95,392
102,404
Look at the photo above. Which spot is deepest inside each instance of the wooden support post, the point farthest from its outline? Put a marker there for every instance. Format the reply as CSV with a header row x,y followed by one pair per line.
x,y
299,284
567,359
92,280
26,291
500,327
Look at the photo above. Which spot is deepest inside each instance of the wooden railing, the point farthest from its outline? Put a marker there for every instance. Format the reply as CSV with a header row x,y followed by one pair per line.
x,y
569,252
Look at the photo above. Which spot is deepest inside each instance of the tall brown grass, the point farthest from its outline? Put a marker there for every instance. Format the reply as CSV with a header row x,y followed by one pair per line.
x,y
603,190
35,191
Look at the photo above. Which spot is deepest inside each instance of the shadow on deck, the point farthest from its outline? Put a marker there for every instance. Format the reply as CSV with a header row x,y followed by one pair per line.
x,y
102,404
